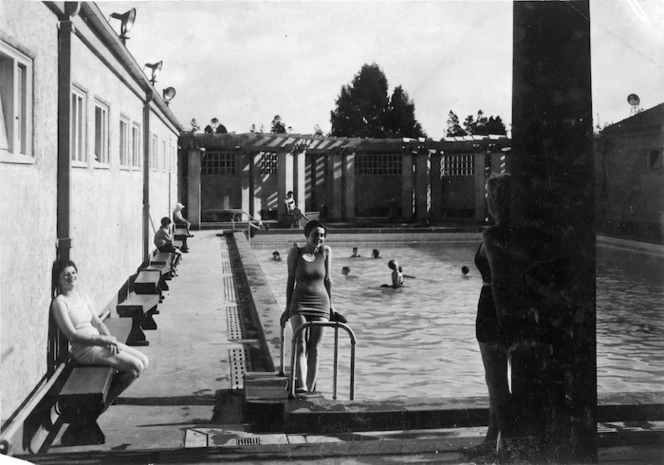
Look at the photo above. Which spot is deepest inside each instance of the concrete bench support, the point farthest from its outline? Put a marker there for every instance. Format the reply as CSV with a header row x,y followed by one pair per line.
x,y
140,308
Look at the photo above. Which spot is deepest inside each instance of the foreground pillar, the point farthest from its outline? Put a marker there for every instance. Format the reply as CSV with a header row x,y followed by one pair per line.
x,y
554,372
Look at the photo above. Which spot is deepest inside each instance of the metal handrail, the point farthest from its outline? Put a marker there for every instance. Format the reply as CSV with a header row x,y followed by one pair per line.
x,y
336,325
239,213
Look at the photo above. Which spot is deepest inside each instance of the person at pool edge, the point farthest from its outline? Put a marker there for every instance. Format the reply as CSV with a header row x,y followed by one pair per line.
x,y
91,341
164,242
308,299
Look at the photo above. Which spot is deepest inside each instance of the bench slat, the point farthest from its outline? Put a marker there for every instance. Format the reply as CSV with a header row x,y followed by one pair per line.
x,y
88,380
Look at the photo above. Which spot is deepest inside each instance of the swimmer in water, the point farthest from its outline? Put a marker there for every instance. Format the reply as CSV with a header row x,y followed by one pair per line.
x,y
375,253
355,253
275,256
397,276
346,272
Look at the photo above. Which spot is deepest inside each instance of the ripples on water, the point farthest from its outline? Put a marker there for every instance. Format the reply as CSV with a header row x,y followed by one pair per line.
x,y
419,341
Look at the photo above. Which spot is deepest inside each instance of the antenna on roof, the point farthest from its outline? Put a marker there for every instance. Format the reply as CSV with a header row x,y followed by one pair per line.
x,y
634,101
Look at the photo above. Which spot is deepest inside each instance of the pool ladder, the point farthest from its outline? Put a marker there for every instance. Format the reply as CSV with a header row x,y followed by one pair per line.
x,y
336,325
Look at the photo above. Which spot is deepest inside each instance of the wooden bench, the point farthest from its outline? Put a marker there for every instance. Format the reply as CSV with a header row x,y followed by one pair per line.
x,y
83,396
140,308
148,281
161,258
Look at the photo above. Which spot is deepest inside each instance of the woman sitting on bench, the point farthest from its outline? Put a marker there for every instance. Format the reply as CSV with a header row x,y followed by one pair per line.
x,y
91,342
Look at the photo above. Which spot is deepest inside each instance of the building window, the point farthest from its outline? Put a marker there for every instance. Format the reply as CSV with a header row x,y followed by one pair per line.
x,y
163,155
77,127
124,142
15,104
654,160
378,164
269,163
457,165
218,163
153,153
101,133
136,145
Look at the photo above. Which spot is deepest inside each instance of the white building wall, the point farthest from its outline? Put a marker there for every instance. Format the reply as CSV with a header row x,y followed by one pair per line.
x,y
28,211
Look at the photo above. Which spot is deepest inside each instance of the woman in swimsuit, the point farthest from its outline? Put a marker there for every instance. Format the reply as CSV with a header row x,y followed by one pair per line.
x,y
308,298
91,341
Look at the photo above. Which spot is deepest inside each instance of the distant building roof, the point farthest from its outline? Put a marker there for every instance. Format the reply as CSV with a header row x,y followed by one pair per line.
x,y
648,120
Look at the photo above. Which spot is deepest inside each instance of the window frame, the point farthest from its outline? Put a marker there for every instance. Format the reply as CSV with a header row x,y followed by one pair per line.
x,y
154,152
651,167
136,144
17,104
123,143
78,129
104,144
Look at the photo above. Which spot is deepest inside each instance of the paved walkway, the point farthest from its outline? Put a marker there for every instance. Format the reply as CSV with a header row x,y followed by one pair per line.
x,y
185,408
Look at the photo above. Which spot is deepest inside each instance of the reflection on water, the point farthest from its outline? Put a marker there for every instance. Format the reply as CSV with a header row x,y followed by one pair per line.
x,y
419,341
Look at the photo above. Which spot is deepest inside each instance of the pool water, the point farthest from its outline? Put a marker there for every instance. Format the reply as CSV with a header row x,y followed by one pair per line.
x,y
419,340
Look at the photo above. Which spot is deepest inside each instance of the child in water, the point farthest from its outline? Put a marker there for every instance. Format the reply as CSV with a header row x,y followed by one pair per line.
x,y
346,272
397,276
355,253
275,256
375,253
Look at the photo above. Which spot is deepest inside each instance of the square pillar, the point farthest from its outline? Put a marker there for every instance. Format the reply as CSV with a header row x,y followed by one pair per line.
x,y
554,375
299,179
245,166
284,182
256,184
422,187
407,186
349,186
480,180
194,187
335,186
435,182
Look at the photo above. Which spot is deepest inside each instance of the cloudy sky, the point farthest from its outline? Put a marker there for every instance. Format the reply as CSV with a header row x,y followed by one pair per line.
x,y
246,61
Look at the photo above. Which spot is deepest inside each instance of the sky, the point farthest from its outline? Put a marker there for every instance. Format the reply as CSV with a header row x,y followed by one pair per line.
x,y
244,62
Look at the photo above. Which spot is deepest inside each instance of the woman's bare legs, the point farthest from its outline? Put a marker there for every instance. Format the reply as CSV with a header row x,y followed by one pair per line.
x,y
306,356
130,363
313,345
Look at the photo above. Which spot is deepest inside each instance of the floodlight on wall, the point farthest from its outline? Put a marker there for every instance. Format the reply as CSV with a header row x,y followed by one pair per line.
x,y
168,94
155,67
127,22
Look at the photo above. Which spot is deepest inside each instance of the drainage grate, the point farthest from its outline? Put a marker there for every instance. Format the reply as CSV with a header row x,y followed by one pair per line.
x,y
226,267
248,441
229,289
235,323
240,364
224,251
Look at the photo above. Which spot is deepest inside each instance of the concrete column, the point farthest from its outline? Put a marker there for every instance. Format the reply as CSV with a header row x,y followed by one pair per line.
x,y
422,186
554,375
407,186
284,182
257,184
194,187
436,186
335,186
479,161
349,185
244,163
299,179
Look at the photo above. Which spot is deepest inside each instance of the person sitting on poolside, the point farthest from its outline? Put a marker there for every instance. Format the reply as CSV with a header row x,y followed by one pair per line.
x,y
164,242
375,253
275,256
355,253
346,272
397,276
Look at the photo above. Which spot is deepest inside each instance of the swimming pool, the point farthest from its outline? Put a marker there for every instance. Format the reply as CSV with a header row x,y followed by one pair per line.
x,y
419,341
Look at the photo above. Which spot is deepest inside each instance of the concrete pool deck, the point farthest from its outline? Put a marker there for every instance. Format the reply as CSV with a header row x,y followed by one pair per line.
x,y
187,407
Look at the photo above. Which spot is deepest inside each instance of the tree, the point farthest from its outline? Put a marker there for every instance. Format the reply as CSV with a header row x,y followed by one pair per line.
x,y
454,129
364,109
278,126
400,118
475,126
194,126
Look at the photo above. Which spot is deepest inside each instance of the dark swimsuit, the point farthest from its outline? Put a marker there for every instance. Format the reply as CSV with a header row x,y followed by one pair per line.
x,y
310,297
487,321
